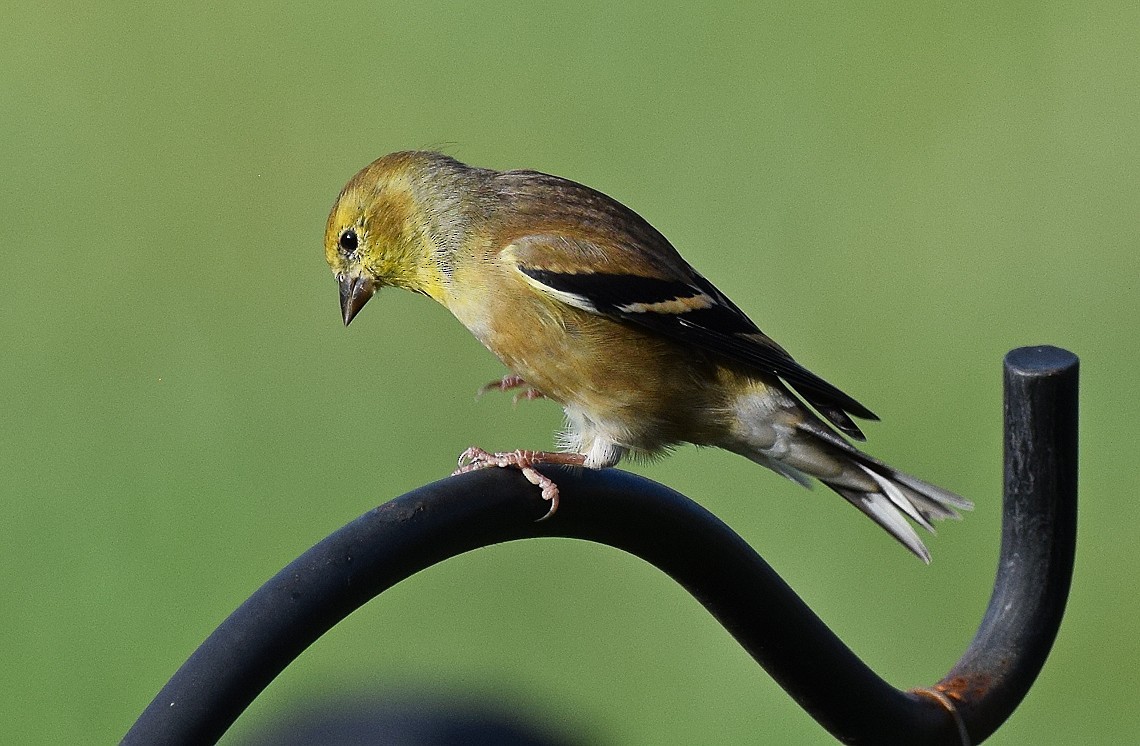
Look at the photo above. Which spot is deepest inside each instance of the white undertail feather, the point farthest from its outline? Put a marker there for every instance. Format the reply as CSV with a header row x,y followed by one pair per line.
x,y
773,430
891,497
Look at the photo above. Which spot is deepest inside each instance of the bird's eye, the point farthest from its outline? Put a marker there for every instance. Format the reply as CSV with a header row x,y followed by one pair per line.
x,y
348,241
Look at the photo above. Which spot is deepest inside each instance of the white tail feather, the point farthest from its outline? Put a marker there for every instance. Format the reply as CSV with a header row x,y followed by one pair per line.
x,y
897,497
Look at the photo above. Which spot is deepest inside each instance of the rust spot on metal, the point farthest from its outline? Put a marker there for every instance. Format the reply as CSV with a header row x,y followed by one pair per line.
x,y
961,688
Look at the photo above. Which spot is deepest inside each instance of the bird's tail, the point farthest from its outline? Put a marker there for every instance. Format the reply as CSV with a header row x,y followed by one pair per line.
x,y
887,496
897,496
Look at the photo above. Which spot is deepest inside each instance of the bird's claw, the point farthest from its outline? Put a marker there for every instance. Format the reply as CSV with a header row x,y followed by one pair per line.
x,y
475,458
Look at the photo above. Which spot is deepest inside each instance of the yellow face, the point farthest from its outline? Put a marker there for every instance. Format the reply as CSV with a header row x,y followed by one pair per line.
x,y
347,250
343,248
368,237
398,222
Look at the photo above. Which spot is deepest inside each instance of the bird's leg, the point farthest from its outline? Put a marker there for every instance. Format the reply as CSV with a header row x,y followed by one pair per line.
x,y
506,383
475,458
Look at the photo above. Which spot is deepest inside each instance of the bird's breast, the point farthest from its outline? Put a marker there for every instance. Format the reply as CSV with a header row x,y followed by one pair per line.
x,y
651,391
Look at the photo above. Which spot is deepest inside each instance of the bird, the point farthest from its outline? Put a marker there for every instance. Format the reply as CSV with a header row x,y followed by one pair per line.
x,y
590,306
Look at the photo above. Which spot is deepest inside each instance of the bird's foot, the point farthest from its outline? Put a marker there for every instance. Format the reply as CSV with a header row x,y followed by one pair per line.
x,y
506,383
474,459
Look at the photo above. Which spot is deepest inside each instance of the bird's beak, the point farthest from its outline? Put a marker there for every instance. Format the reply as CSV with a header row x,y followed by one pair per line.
x,y
354,293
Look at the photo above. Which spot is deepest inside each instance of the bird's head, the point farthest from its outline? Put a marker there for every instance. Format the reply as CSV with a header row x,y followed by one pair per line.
x,y
385,228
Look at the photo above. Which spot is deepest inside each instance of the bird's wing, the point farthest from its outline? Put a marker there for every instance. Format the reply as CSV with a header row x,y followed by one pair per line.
x,y
656,290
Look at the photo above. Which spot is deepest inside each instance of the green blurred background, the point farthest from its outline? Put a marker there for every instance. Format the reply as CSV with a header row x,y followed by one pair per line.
x,y
898,195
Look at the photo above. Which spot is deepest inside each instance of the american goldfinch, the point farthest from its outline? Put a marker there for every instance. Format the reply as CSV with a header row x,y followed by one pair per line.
x,y
588,305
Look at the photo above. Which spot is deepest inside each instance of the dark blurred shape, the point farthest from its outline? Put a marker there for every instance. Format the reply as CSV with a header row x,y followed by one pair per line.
x,y
427,720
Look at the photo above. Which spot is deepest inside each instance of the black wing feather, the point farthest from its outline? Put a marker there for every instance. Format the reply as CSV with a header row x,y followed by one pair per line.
x,y
714,324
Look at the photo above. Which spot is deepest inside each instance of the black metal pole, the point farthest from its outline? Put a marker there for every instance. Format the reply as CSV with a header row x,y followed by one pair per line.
x,y
453,516
1038,541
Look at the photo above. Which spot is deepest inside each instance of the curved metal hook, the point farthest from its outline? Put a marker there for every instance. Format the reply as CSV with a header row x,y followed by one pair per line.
x,y
455,515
